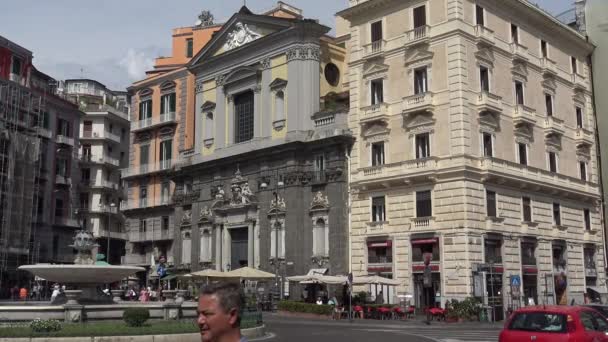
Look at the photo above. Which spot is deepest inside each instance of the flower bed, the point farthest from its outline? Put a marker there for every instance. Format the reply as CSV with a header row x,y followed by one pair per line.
x,y
308,308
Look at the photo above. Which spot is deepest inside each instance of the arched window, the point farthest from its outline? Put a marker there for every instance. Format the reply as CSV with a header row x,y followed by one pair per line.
x,y
320,247
208,125
186,248
279,105
277,231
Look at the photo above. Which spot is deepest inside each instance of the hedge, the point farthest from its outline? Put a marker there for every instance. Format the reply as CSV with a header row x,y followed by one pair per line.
x,y
292,306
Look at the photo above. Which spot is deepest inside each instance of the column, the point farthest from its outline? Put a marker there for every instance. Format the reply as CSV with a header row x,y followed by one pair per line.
x,y
218,247
250,247
225,247
256,245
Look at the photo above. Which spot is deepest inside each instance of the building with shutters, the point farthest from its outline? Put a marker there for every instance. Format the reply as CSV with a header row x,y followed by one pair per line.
x,y
474,125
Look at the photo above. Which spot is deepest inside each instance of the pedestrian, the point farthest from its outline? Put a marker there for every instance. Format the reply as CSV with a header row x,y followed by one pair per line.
x,y
15,292
23,293
56,293
319,301
219,310
380,298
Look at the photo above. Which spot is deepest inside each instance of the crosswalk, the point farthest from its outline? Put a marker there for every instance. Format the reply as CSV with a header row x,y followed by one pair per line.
x,y
444,334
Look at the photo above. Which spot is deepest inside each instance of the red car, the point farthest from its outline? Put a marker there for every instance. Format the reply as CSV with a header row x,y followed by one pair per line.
x,y
555,324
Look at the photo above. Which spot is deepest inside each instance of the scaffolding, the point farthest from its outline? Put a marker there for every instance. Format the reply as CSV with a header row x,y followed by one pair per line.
x,y
20,115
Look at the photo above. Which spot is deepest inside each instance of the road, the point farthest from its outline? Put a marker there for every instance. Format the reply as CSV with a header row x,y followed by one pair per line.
x,y
297,329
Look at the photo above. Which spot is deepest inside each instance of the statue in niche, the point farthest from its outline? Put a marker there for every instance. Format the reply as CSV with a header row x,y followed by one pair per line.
x,y
246,193
240,36
220,195
187,218
278,203
320,200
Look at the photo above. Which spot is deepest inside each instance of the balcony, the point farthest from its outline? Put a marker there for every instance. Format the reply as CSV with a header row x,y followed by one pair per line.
x,y
63,180
144,203
524,115
384,259
553,125
418,35
484,35
377,225
168,118
155,235
100,136
519,52
62,139
44,132
422,102
100,108
548,67
145,169
376,112
136,259
103,159
104,184
528,261
374,49
578,82
422,222
527,177
583,137
103,209
399,173
488,102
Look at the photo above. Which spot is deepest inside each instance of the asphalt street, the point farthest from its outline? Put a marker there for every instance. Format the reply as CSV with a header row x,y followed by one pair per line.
x,y
297,329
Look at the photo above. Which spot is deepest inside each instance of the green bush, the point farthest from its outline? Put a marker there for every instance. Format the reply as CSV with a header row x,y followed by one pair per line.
x,y
468,309
45,325
135,317
292,306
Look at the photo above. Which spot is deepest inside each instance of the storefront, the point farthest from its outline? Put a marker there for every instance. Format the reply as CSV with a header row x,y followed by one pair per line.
x,y
560,273
530,272
380,263
427,283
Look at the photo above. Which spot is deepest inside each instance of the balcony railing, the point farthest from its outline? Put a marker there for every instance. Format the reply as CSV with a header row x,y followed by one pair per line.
x,y
375,112
583,137
62,139
418,103
104,184
153,121
374,48
548,66
554,125
144,203
372,259
418,34
424,222
381,173
519,51
103,159
100,108
63,180
487,101
103,209
579,81
105,135
484,35
524,115
156,235
66,221
136,259
143,169
45,132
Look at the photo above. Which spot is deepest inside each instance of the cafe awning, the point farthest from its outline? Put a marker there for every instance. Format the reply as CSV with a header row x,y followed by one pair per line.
x,y
600,290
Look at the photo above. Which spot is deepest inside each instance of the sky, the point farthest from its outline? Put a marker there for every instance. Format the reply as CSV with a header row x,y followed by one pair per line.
x,y
116,41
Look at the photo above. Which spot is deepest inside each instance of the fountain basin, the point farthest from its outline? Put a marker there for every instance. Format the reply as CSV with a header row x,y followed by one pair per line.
x,y
81,274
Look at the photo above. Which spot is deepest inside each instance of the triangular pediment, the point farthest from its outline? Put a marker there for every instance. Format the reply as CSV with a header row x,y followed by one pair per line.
x,y
278,83
486,55
374,68
549,83
417,55
241,73
489,120
375,128
208,106
520,69
420,120
241,30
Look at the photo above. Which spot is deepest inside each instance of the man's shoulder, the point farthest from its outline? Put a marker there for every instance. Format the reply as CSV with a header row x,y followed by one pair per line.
x,y
243,339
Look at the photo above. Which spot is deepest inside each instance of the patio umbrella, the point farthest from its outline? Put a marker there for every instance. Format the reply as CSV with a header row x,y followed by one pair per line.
x,y
249,274
318,279
206,274
375,280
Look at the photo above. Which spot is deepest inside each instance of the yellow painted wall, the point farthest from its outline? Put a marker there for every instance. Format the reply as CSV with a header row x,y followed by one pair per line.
x,y
331,53
279,70
209,94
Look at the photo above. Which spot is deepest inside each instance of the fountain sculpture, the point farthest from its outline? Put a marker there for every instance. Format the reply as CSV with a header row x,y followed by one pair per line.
x,y
85,274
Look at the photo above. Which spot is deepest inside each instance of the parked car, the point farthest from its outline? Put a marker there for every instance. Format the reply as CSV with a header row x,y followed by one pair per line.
x,y
555,324
603,309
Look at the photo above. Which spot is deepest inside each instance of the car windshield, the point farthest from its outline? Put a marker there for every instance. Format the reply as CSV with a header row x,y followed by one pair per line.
x,y
601,309
539,321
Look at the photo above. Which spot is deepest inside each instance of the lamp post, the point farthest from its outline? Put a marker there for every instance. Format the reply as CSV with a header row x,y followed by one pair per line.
x,y
111,207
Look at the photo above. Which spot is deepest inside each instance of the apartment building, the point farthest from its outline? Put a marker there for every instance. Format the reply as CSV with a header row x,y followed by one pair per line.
x,y
104,150
475,152
162,126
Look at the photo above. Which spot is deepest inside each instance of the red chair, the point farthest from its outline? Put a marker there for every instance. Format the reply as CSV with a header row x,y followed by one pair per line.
x,y
358,309
398,313
410,311
384,312
437,313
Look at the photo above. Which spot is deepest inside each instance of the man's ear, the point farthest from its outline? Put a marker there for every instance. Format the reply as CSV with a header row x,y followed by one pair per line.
x,y
234,315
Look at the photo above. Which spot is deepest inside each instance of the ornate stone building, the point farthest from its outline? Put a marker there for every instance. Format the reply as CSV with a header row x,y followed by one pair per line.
x,y
266,183
474,135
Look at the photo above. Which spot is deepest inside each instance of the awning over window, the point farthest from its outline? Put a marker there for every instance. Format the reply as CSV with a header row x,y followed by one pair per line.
x,y
425,241
316,271
379,244
597,289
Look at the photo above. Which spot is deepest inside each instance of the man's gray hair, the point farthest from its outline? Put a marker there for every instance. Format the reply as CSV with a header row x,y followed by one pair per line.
x,y
229,295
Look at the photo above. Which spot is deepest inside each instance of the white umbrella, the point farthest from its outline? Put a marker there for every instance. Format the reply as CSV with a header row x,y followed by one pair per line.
x,y
249,273
318,279
375,280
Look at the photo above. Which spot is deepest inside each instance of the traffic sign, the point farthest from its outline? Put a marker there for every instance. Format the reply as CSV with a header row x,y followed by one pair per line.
x,y
515,280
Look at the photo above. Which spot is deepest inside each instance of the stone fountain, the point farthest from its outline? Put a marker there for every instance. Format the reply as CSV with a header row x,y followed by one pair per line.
x,y
85,274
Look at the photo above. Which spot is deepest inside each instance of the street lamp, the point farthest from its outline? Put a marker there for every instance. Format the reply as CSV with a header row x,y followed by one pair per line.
x,y
112,206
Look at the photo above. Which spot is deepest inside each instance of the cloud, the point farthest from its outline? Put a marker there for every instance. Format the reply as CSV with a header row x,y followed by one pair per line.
x,y
115,73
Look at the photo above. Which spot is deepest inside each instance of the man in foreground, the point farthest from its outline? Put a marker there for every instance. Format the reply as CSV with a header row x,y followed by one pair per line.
x,y
219,312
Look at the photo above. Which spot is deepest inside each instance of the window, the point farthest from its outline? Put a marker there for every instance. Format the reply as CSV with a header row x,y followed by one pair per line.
x,y
493,250
166,147
527,253
186,248
61,167
419,16
145,109
144,157
543,49
593,321
420,81
167,104
85,175
488,149
579,117
526,209
378,153
582,166
538,322
206,245
587,218
279,105
376,31
522,150
59,207
209,125
574,65
378,209
143,225
63,127
332,74
514,34
243,110
143,196
164,192
319,165
549,104
479,16
379,252
320,238
377,90
552,161
189,47
557,217
490,203
423,204
519,93
164,223
16,67
484,79
421,247
423,145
